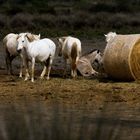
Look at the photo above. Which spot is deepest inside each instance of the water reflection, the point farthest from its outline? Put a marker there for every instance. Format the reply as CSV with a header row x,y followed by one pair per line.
x,y
33,120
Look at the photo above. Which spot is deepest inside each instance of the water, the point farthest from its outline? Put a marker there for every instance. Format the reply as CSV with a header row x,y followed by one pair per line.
x,y
36,120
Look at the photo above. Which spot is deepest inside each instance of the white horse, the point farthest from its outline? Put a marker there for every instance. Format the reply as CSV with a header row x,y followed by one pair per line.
x,y
10,45
110,36
43,50
85,63
70,49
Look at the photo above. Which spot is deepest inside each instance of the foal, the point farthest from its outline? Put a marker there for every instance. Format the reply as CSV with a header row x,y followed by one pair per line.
x,y
85,63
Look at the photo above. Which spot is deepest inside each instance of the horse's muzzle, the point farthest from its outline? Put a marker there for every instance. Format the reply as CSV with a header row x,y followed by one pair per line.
x,y
19,51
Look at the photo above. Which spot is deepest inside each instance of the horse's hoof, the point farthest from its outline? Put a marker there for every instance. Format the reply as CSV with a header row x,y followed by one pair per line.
x,y
48,78
25,79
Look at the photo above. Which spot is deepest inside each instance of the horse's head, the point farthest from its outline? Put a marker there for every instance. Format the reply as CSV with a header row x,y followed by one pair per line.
x,y
110,36
98,62
61,43
21,40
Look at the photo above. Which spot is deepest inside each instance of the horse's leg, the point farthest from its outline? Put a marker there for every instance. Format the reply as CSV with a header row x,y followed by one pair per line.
x,y
7,59
75,72
21,65
73,68
72,72
49,64
11,59
26,63
43,72
8,63
33,68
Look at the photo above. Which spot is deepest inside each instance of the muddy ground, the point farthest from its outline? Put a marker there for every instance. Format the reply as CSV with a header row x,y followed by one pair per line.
x,y
65,108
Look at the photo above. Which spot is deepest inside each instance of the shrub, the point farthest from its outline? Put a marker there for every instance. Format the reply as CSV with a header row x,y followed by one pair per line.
x,y
3,21
21,20
44,20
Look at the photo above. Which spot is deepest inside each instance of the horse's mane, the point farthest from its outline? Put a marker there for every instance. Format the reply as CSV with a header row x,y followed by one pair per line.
x,y
86,53
30,37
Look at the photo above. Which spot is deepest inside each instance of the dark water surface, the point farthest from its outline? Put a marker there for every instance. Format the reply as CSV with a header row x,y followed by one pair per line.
x,y
36,120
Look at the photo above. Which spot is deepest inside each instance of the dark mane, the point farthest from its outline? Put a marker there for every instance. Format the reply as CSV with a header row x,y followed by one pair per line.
x,y
86,53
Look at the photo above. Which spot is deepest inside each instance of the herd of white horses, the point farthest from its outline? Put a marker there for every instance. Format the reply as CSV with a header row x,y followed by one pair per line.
x,y
32,48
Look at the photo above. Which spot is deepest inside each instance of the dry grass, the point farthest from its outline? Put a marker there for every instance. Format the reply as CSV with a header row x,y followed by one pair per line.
x,y
71,91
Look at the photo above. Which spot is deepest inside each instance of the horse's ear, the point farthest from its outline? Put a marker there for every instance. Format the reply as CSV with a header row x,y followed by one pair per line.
x,y
17,37
105,35
62,39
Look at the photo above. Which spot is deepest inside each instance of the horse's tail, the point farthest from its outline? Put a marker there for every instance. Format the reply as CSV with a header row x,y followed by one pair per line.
x,y
74,54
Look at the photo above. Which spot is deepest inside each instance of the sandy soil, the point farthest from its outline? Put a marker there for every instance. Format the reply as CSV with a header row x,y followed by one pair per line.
x,y
65,108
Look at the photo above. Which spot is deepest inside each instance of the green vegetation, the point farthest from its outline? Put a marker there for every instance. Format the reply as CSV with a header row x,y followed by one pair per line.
x,y
83,18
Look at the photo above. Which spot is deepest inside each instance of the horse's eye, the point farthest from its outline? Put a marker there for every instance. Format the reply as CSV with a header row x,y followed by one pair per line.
x,y
22,41
96,60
